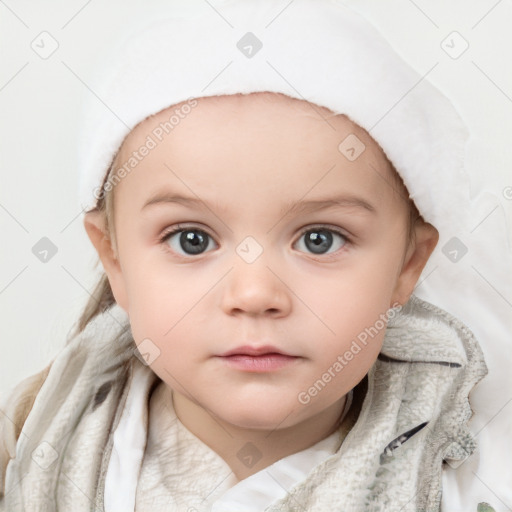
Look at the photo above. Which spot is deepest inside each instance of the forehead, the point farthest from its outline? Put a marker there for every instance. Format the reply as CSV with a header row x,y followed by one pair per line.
x,y
244,143
256,115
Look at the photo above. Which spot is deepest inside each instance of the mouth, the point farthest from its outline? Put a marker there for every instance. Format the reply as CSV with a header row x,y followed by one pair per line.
x,y
257,359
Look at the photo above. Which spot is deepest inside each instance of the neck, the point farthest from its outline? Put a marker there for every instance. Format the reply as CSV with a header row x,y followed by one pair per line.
x,y
229,440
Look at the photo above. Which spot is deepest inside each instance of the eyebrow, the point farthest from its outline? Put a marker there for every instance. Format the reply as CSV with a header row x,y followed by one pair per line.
x,y
346,201
163,198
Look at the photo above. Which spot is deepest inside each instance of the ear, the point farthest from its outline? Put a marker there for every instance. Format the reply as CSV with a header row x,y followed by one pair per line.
x,y
95,227
418,253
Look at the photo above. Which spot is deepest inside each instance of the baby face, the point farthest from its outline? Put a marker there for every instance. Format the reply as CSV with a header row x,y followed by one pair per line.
x,y
246,231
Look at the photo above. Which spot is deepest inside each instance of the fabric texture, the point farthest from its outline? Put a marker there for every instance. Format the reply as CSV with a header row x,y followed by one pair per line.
x,y
175,462
428,365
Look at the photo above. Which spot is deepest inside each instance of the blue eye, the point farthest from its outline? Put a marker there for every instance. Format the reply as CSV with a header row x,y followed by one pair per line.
x,y
321,240
188,242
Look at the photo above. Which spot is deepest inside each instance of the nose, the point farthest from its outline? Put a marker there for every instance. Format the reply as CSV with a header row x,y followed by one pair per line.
x,y
253,289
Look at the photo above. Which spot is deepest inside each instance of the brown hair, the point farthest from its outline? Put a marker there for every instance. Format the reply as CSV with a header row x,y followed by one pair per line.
x,y
18,403
102,297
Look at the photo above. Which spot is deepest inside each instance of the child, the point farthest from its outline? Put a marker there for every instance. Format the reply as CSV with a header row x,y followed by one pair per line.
x,y
255,343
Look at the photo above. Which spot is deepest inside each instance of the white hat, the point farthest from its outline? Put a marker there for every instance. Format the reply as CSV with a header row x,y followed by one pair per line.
x,y
319,51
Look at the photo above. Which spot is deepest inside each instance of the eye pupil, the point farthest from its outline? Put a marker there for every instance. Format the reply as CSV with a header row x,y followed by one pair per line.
x,y
193,242
319,241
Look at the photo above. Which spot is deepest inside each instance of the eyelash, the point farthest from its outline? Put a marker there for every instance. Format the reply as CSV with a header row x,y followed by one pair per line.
x,y
172,231
348,240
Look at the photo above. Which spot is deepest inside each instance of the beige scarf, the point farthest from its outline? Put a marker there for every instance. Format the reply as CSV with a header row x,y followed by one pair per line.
x,y
428,365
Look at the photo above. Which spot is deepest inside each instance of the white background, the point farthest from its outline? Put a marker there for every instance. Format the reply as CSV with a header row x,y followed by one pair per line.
x,y
39,127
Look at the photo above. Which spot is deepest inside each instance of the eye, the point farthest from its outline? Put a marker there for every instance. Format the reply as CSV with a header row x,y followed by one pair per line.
x,y
321,241
188,241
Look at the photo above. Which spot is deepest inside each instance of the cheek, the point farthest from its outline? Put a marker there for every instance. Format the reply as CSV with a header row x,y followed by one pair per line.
x,y
157,304
166,305
352,304
353,296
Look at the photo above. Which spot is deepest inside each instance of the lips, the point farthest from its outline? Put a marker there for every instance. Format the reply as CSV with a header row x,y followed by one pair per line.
x,y
257,359
248,350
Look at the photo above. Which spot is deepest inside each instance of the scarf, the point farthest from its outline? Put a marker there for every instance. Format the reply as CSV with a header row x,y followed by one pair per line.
x,y
414,417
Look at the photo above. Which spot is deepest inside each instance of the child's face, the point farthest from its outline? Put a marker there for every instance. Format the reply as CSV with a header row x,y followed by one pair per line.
x,y
228,175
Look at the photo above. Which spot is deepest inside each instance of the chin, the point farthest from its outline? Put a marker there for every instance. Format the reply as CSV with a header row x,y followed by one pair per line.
x,y
257,417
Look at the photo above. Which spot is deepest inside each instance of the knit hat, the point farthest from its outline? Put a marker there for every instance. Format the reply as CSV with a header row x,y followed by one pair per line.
x,y
317,50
